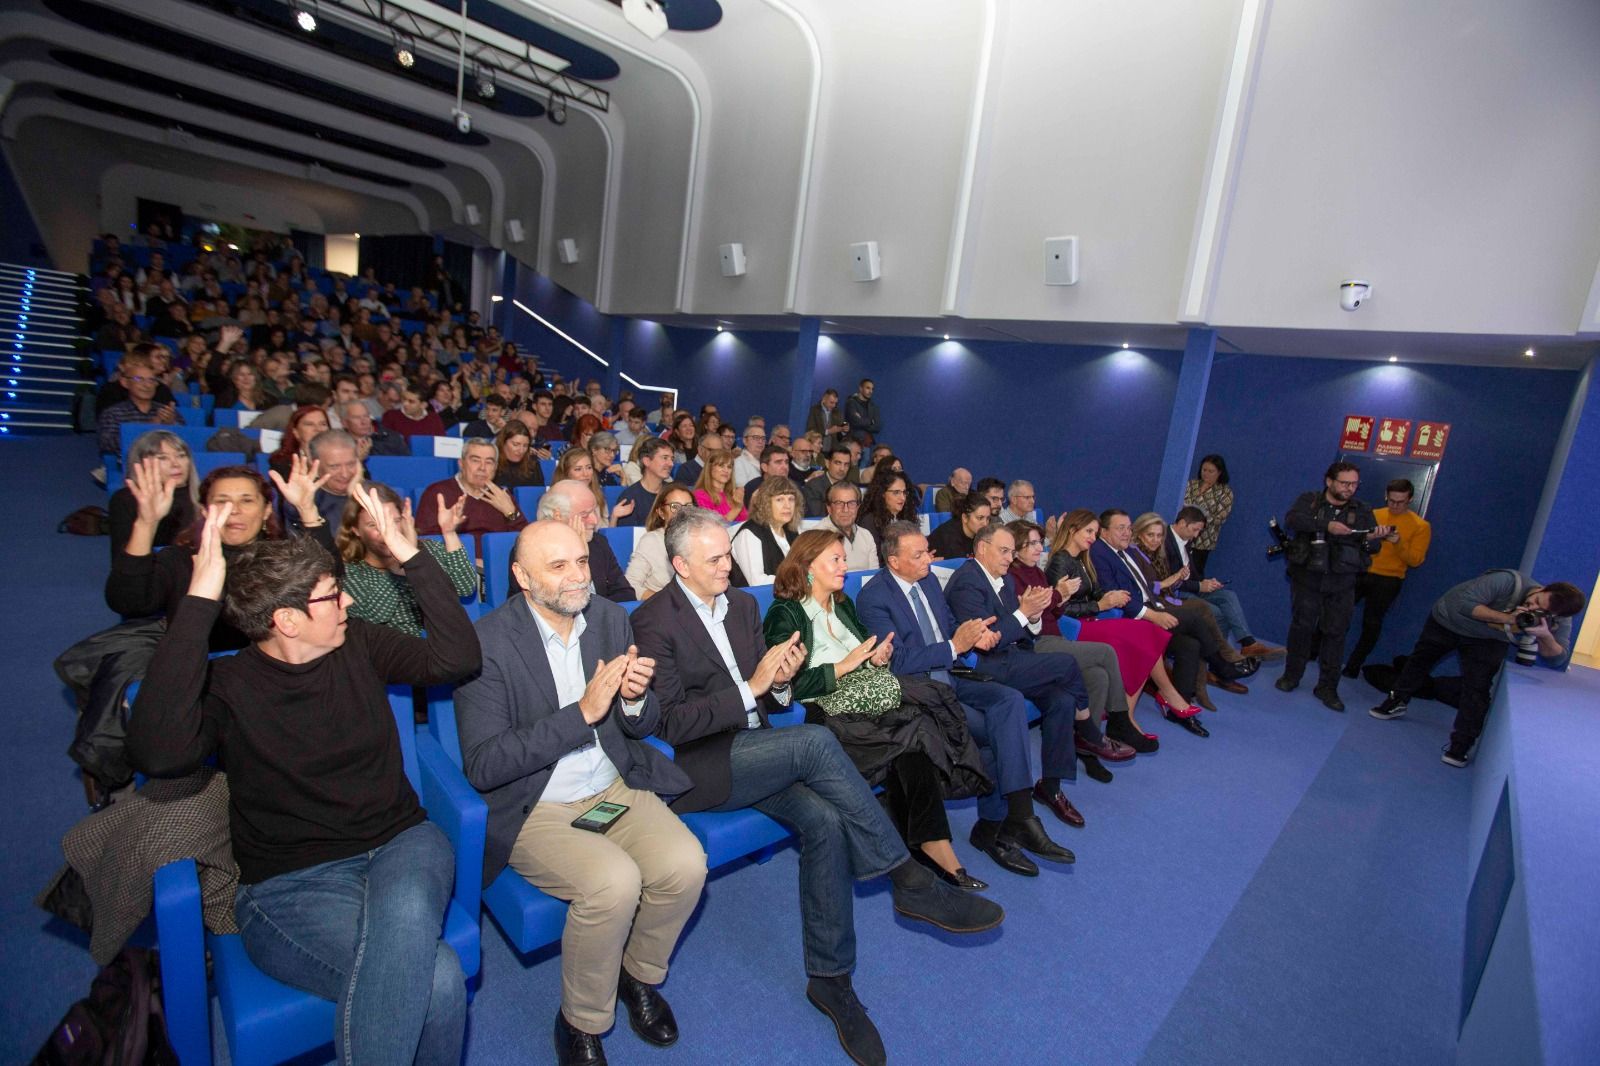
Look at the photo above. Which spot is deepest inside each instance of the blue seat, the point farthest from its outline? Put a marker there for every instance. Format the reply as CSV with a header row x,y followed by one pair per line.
x,y
409,469
263,1020
194,436
495,550
613,494
763,595
528,497
204,463
621,541
549,468
728,836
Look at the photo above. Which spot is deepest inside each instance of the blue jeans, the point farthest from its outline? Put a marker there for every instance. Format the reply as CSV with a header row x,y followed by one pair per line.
x,y
997,717
1230,613
364,932
800,776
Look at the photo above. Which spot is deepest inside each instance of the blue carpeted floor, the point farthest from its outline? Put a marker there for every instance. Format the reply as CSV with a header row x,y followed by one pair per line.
x,y
1289,891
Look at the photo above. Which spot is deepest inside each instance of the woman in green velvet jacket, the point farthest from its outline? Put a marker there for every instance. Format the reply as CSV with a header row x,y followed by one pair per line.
x,y
846,685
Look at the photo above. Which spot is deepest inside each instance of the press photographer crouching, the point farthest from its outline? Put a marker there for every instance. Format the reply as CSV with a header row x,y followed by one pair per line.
x,y
1335,537
1476,620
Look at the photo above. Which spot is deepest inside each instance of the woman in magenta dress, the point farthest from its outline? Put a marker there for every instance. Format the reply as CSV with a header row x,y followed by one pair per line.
x,y
1140,645
715,490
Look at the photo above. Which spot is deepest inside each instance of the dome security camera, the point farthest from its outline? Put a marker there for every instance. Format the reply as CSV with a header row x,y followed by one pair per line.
x,y
1352,294
463,121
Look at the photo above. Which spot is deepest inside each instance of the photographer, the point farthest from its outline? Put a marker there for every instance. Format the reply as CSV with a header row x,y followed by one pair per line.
x,y
1335,536
1476,620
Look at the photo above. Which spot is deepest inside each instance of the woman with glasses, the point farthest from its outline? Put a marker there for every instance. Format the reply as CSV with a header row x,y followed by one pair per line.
x,y
649,570
176,469
891,497
374,577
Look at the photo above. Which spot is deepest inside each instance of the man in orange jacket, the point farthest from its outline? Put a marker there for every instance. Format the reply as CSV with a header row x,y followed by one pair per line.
x,y
1404,548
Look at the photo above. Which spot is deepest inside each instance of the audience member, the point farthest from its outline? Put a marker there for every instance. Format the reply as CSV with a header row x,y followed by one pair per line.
x,y
340,875
649,570
634,506
762,542
174,468
909,736
305,424
860,546
861,413
603,449
891,497
718,687
838,470
1402,550
747,467
803,458
1209,491
683,438
334,468
825,419
779,435
993,490
576,464
904,600
375,579
710,444
116,390
139,378
952,491
954,538
629,428
774,464
574,503
516,466
413,418
371,438
489,508
715,490
979,589
1175,556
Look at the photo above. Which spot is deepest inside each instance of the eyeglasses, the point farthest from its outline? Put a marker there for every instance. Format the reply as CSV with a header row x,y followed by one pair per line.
x,y
846,504
1006,553
674,508
1347,484
338,591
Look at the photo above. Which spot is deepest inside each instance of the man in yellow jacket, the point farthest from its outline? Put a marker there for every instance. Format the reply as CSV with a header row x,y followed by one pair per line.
x,y
1401,550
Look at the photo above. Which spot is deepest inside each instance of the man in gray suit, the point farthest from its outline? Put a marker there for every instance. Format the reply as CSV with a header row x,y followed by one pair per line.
x,y
551,730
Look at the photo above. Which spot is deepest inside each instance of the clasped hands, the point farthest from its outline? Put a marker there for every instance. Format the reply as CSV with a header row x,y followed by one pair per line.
x,y
627,676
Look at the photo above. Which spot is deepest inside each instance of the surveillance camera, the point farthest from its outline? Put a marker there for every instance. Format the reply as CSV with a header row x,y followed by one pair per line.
x,y
1352,294
463,121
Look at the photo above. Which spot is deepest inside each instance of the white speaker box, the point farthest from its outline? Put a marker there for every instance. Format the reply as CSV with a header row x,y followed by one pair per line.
x,y
864,262
567,250
732,260
1061,260
515,231
474,216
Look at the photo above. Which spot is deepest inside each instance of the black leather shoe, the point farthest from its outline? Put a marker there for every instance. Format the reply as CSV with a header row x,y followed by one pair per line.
x,y
1095,769
954,911
648,1012
1029,833
1329,697
1284,684
1192,724
835,997
1248,665
1121,728
1006,855
574,1047
960,879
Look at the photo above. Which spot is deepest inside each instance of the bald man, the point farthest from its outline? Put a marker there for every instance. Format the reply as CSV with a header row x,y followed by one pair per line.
x,y
572,503
956,488
552,730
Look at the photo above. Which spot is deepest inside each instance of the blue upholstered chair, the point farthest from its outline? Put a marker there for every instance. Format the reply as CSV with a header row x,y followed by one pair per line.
x,y
409,469
267,1022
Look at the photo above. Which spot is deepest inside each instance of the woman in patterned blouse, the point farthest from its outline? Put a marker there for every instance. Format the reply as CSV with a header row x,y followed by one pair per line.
x,y
1209,492
375,580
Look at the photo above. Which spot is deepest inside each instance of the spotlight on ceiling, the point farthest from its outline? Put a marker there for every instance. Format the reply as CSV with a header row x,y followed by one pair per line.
x,y
404,54
305,18
1529,353
1394,359
947,336
485,84
557,109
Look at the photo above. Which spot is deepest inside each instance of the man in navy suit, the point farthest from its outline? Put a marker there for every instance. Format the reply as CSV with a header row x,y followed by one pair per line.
x,y
906,600
979,589
719,684
551,728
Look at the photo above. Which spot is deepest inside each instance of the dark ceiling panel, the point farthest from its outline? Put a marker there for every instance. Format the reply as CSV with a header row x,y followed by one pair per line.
x,y
587,63
689,14
164,122
139,79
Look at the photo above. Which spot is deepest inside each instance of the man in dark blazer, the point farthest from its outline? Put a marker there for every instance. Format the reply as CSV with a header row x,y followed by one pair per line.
x,y
980,589
552,729
573,503
905,599
1194,642
1189,523
718,683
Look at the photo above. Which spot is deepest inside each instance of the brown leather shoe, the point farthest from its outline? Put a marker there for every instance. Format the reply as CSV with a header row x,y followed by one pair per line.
x,y
1059,805
1258,650
1226,686
1202,697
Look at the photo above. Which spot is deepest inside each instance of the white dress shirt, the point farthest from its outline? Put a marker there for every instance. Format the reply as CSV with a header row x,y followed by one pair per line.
x,y
585,771
747,553
908,589
715,618
998,584
860,546
1138,579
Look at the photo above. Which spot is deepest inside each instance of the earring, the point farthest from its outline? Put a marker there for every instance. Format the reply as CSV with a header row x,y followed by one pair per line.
x,y
808,579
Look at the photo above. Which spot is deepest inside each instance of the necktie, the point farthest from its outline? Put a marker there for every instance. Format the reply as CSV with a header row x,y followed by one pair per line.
x,y
1138,576
929,634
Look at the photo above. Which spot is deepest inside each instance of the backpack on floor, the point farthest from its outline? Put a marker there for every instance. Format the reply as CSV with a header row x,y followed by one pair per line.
x,y
120,1022
86,522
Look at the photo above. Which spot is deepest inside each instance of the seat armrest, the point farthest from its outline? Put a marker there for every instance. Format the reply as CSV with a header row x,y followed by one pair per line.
x,y
181,933
455,807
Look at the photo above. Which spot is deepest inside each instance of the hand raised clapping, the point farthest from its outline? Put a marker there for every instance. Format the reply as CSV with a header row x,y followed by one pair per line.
x,y
151,490
210,567
399,532
300,491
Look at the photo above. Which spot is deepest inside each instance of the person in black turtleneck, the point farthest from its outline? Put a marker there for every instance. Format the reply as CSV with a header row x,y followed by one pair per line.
x,y
340,874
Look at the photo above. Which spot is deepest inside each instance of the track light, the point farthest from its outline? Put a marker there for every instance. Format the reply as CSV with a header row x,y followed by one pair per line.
x,y
486,85
403,53
557,109
305,18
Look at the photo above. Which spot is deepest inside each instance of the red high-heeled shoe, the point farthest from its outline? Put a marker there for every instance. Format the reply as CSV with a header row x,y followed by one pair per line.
x,y
1179,712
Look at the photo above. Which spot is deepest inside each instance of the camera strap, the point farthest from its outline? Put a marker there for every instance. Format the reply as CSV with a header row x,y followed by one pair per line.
x,y
1517,584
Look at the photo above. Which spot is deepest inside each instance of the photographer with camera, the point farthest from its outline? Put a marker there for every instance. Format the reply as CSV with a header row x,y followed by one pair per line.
x,y
1476,620
1334,536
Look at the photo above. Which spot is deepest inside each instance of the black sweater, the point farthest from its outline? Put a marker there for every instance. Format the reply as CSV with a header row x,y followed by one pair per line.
x,y
313,759
124,510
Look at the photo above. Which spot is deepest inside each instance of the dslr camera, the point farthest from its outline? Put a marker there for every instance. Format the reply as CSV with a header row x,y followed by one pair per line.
x,y
1529,617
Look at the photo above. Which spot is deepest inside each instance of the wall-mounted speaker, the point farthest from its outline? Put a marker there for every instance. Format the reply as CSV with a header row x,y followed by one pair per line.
x,y
864,262
1061,260
567,250
732,260
515,231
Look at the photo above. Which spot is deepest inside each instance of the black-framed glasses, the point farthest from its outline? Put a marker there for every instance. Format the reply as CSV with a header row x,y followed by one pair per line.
x,y
338,591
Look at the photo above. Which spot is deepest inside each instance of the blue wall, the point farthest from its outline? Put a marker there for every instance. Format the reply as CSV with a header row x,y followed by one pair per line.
x,y
745,373
1568,551
1276,421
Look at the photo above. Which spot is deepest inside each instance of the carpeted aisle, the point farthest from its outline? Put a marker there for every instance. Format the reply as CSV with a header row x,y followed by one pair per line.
x,y
1289,890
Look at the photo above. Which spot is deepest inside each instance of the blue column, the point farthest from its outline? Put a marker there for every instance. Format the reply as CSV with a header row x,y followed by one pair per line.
x,y
1561,542
1177,461
805,374
616,347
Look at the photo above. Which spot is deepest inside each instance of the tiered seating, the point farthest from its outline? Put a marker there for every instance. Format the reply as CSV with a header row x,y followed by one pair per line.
x,y
41,320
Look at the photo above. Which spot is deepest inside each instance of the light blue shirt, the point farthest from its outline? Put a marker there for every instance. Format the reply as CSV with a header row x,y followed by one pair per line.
x,y
714,618
585,771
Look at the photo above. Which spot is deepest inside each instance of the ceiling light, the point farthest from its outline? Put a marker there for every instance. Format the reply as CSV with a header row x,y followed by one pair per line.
x,y
1124,344
719,328
557,109
404,57
928,328
1394,359
947,336
305,20
1528,353
485,84
497,298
